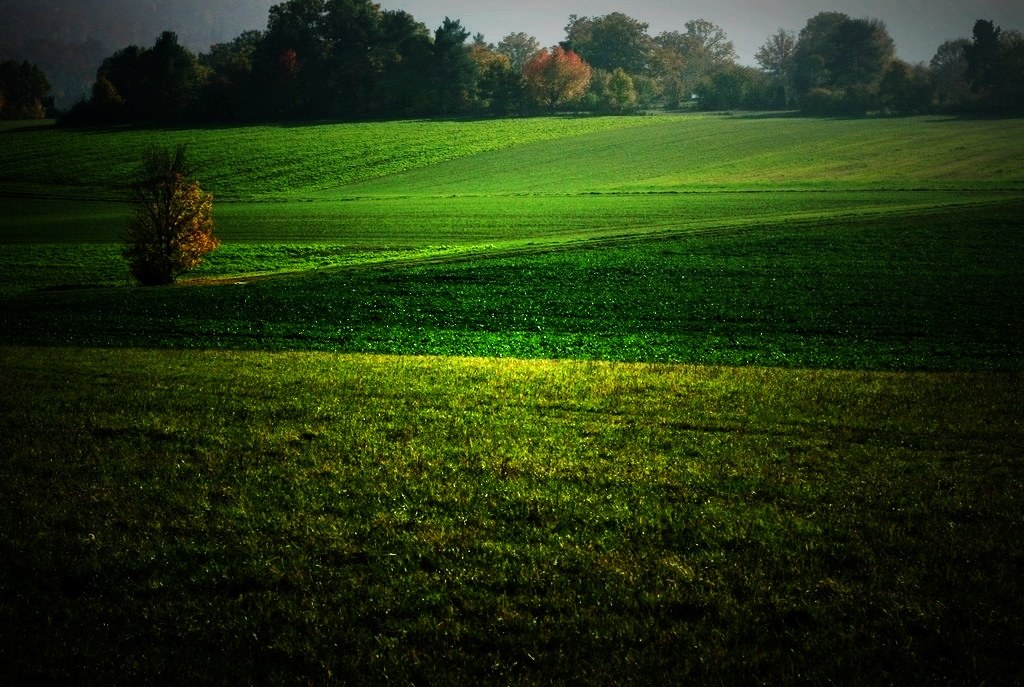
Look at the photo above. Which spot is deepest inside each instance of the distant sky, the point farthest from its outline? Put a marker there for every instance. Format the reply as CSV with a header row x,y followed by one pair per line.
x,y
54,33
917,26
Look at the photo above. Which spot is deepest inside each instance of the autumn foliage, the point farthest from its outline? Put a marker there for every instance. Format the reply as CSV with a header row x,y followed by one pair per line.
x,y
557,77
171,226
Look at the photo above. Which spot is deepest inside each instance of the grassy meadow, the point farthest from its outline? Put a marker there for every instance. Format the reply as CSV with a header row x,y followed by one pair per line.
x,y
662,399
226,517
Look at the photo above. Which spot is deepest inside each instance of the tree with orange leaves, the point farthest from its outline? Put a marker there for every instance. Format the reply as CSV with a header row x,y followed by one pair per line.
x,y
171,226
556,77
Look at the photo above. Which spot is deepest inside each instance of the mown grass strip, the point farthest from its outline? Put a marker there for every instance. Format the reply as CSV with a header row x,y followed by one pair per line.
x,y
225,516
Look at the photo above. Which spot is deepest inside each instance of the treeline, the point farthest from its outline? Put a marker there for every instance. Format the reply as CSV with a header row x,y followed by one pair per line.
x,y
349,59
69,38
24,91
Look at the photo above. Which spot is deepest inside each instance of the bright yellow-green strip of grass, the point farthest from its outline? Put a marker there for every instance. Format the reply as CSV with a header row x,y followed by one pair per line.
x,y
68,243
729,153
310,518
397,223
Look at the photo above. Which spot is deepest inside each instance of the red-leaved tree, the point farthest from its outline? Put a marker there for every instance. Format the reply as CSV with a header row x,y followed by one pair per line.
x,y
171,226
556,77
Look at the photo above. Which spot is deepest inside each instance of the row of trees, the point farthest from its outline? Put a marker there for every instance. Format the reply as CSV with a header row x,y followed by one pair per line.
x,y
351,59
836,64
841,65
317,58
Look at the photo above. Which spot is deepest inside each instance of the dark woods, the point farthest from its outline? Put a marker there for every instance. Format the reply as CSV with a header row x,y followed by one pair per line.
x,y
345,59
350,60
24,91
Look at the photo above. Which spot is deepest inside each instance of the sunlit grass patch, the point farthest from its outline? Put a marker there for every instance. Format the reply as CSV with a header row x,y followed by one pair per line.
x,y
253,516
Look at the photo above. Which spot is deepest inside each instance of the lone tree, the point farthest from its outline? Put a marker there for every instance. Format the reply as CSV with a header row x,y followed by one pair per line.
x,y
171,225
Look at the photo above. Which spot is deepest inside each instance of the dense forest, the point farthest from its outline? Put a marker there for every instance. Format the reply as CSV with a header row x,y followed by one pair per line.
x,y
68,40
349,59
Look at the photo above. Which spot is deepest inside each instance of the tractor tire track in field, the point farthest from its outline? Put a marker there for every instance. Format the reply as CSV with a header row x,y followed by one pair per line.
x,y
639,236
472,255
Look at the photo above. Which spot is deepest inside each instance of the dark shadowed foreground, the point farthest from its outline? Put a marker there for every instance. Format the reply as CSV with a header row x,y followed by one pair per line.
x,y
216,517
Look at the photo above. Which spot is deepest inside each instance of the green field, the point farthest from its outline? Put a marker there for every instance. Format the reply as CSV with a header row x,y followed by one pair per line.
x,y
560,400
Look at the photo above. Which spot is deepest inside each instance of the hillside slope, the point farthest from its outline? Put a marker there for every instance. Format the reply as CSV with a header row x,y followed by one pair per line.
x,y
530,156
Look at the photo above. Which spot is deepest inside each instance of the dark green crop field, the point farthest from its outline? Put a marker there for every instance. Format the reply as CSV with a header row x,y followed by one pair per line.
x,y
637,400
225,517
908,292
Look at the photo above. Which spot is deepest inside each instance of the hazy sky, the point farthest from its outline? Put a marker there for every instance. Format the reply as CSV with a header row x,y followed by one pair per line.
x,y
917,26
